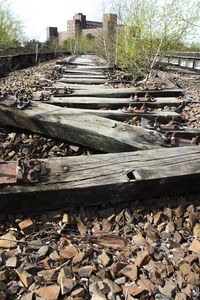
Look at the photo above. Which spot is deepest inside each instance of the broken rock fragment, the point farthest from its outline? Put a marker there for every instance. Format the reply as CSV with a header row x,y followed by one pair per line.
x,y
169,290
11,262
48,275
65,272
49,292
133,290
26,226
141,258
28,296
180,296
112,242
8,240
66,219
43,251
195,246
185,269
79,292
66,285
130,271
26,278
139,240
68,252
81,227
196,230
104,259
114,287
86,271
193,279
3,275
148,285
79,257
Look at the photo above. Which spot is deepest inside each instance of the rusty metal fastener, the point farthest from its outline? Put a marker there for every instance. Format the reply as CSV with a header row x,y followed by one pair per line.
x,y
8,173
32,176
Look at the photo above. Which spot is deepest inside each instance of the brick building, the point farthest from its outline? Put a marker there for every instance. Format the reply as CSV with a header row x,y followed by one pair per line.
x,y
79,25
63,36
52,33
110,25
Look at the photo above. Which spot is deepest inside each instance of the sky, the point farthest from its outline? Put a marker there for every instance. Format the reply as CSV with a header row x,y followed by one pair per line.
x,y
36,15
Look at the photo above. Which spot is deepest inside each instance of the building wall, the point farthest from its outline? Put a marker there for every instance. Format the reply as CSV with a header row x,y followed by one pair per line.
x,y
81,18
93,31
75,26
93,24
80,25
62,35
71,27
52,33
110,24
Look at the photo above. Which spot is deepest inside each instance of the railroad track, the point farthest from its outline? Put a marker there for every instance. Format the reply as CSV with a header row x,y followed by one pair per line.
x,y
92,107
148,248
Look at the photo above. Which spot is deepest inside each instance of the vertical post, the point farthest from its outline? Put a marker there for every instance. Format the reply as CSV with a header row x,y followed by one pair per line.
x,y
110,35
179,61
36,52
194,64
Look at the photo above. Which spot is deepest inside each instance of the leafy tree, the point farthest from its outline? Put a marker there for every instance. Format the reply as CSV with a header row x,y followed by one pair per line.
x,y
10,27
89,37
54,44
66,45
82,44
70,44
194,47
32,44
150,29
86,43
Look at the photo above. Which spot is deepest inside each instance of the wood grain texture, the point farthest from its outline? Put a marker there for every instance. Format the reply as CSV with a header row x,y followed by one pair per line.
x,y
83,80
85,76
120,115
124,92
80,128
79,72
112,103
105,178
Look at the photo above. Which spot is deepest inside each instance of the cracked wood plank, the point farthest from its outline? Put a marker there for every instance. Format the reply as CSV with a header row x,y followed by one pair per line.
x,y
102,91
82,80
80,128
105,178
88,76
112,103
119,115
79,72
124,92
